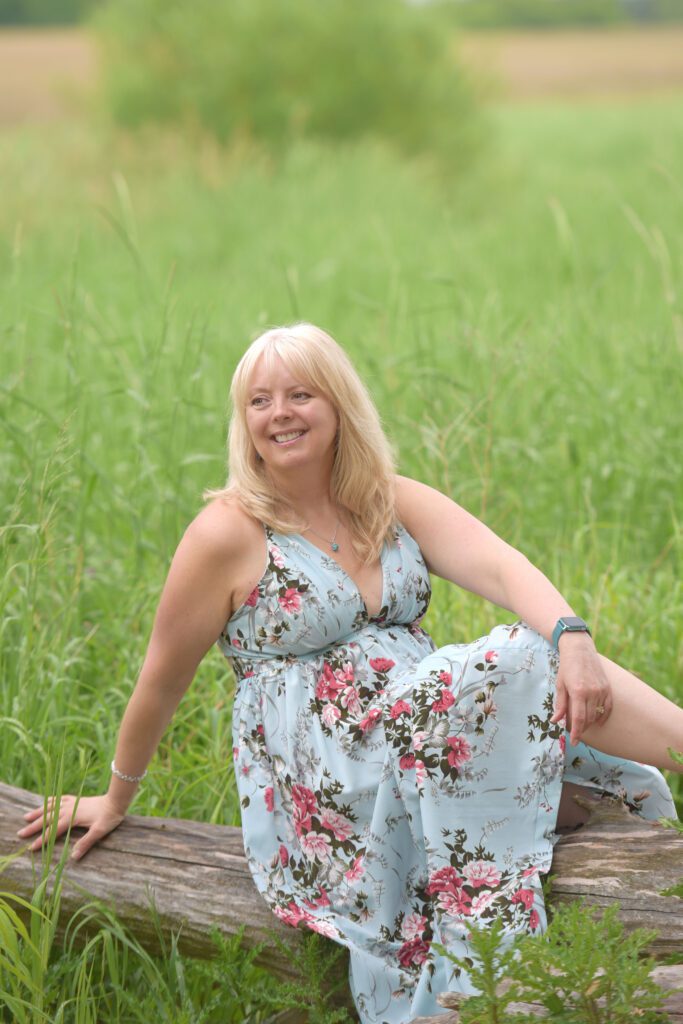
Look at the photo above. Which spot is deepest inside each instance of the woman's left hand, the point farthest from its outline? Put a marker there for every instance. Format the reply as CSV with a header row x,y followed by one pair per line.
x,y
582,686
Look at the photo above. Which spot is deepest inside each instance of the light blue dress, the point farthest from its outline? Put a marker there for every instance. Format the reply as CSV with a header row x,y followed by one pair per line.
x,y
391,793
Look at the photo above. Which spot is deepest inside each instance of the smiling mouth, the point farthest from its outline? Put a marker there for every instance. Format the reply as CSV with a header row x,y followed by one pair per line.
x,y
287,438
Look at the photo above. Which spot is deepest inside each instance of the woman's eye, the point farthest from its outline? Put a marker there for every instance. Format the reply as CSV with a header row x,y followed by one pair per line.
x,y
301,394
259,400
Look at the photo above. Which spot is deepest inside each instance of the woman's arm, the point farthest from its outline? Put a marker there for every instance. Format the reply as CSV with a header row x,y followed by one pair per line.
x,y
459,547
196,602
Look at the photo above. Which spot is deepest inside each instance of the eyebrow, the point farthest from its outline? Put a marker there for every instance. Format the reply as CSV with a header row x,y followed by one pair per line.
x,y
293,387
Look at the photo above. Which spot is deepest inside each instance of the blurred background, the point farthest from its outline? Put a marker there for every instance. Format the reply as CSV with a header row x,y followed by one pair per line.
x,y
481,199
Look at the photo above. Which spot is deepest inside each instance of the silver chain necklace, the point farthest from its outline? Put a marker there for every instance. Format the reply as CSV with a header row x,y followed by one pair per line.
x,y
332,543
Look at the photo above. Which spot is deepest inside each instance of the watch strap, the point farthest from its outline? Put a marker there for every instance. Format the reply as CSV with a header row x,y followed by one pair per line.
x,y
569,624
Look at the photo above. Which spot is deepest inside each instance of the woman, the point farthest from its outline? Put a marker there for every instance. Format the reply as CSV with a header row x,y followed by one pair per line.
x,y
391,794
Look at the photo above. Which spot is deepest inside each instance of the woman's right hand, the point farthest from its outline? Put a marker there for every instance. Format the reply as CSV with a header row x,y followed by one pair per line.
x,y
97,814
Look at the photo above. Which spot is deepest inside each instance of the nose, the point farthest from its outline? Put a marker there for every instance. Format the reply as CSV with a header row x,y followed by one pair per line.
x,y
281,410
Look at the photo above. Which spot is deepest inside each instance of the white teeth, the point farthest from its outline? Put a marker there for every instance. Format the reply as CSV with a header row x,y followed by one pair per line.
x,y
290,436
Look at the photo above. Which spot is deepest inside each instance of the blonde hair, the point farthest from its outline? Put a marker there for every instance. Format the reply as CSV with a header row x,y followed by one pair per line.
x,y
363,471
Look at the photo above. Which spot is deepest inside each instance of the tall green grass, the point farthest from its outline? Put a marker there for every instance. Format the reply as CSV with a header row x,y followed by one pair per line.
x,y
521,332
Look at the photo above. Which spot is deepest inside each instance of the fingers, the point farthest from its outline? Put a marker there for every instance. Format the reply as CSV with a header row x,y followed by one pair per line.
x,y
579,721
561,705
92,836
602,709
581,707
38,812
42,820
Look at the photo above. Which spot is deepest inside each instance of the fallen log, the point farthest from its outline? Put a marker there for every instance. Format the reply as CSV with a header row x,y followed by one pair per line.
x,y
196,875
198,878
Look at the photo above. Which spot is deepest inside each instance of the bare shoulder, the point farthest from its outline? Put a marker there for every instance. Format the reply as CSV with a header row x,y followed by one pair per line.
x,y
224,529
414,502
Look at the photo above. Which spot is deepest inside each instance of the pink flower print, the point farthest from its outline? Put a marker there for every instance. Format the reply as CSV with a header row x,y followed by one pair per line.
x,y
530,872
355,872
418,740
407,762
235,642
330,714
370,720
315,846
290,601
323,899
337,823
420,772
413,926
253,598
482,901
414,952
534,920
446,677
455,904
293,914
525,896
563,743
401,707
284,855
290,915
245,769
491,656
350,700
381,664
328,686
268,797
344,674
304,799
302,820
489,707
235,753
445,879
259,729
276,556
460,751
481,872
323,928
444,702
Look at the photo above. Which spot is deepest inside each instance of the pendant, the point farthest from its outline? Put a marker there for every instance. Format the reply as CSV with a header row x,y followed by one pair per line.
x,y
335,547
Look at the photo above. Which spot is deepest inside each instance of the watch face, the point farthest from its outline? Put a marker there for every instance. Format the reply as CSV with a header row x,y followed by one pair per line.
x,y
573,622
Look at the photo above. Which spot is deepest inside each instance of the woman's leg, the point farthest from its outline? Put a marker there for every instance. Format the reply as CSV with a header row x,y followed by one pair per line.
x,y
642,725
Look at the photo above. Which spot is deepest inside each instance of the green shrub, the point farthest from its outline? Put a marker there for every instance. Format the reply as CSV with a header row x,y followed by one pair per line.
x,y
273,71
585,968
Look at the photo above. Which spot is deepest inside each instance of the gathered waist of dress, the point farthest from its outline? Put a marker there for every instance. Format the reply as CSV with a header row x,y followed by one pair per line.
x,y
359,643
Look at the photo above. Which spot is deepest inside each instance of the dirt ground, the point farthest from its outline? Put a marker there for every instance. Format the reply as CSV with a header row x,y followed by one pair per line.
x,y
44,74
574,64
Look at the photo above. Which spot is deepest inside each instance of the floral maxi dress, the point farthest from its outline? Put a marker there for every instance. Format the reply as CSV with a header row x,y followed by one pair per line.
x,y
391,793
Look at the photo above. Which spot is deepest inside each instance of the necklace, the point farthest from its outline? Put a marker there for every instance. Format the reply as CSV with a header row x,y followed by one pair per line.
x,y
332,543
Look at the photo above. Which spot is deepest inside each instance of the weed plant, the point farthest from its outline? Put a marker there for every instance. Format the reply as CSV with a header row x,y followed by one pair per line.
x,y
584,970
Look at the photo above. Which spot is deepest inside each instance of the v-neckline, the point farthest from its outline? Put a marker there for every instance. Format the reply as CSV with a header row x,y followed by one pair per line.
x,y
348,576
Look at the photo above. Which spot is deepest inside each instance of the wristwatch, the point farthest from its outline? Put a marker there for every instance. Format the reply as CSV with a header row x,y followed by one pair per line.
x,y
569,624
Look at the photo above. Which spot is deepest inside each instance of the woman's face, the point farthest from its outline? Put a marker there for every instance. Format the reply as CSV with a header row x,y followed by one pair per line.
x,y
290,422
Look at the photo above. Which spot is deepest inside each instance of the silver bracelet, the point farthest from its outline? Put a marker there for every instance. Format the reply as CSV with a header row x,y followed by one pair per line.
x,y
127,778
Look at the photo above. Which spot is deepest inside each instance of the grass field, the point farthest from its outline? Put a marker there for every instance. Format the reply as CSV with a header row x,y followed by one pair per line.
x,y
521,331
